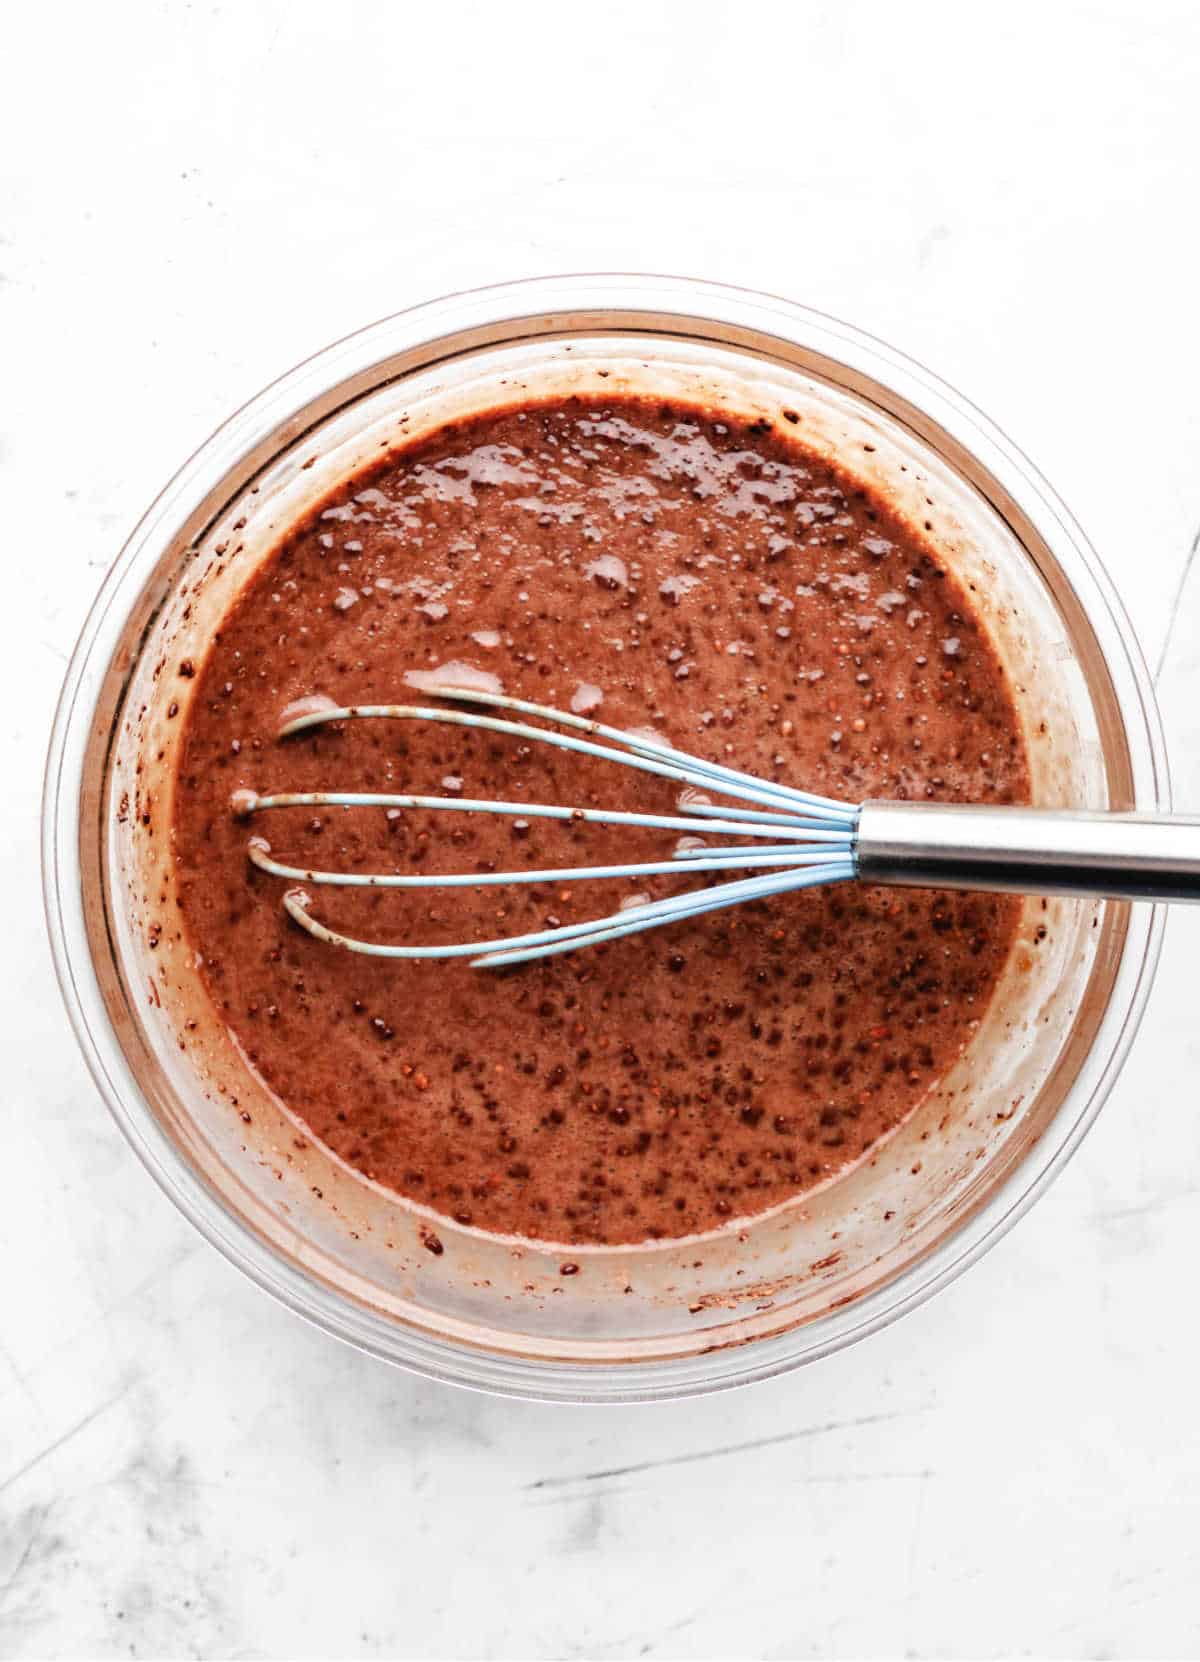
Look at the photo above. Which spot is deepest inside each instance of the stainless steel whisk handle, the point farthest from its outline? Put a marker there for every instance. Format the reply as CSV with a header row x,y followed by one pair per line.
x,y
1029,851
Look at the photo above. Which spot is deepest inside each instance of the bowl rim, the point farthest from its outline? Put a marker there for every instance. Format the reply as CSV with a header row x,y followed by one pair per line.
x,y
276,409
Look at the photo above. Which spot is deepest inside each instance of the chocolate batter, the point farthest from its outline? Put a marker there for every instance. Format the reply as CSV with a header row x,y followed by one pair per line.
x,y
668,570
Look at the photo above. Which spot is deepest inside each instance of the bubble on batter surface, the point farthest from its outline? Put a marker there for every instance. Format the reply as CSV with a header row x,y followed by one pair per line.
x,y
454,674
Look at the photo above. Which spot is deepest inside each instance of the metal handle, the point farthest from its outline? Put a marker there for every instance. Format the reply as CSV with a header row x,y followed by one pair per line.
x,y
1029,851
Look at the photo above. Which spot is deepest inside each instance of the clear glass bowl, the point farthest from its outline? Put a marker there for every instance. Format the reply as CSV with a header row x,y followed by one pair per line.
x,y
669,1318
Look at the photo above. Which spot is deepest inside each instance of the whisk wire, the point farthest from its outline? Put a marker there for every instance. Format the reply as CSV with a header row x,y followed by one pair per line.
x,y
747,824
543,943
647,755
260,855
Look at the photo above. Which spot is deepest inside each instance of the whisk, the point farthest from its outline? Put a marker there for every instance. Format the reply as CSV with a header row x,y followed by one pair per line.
x,y
796,839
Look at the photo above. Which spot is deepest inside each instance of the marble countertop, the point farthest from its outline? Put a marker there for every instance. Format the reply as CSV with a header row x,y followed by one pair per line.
x,y
192,198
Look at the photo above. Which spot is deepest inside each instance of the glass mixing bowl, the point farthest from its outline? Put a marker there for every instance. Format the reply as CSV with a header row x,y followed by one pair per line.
x,y
665,1318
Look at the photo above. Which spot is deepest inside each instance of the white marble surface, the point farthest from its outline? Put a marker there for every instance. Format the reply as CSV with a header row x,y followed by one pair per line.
x,y
194,196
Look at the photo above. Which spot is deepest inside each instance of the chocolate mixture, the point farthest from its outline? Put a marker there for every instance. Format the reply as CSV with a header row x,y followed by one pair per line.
x,y
667,570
